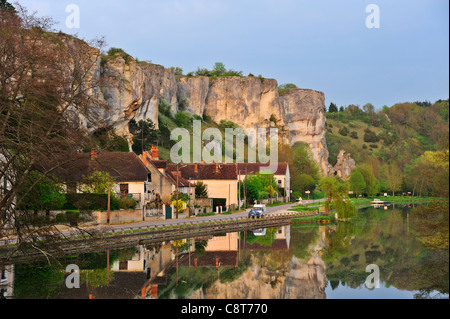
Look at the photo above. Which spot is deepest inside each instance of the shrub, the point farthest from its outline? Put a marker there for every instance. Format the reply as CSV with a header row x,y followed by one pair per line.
x,y
344,131
127,203
182,119
371,137
354,135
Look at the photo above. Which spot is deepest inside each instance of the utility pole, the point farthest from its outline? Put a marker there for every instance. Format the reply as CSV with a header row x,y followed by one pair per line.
x,y
239,190
108,218
178,174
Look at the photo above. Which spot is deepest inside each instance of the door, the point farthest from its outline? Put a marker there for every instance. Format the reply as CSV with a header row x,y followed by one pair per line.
x,y
168,212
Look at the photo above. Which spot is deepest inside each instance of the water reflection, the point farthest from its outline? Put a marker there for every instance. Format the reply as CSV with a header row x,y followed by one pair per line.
x,y
277,263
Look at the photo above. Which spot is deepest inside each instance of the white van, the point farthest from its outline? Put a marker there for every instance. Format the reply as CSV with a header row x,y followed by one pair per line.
x,y
261,209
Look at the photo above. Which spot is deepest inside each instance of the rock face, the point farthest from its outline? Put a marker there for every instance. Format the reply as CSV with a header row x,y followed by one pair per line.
x,y
304,115
135,89
344,166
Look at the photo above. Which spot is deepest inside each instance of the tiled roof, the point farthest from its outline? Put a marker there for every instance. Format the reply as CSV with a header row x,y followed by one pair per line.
x,y
206,171
122,167
253,168
182,182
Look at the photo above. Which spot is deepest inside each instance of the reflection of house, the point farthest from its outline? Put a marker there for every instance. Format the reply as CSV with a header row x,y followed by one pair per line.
x,y
130,176
221,251
6,281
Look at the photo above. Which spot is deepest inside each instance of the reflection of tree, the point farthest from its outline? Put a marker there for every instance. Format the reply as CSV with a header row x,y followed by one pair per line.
x,y
384,239
265,240
37,281
338,241
302,239
96,278
430,224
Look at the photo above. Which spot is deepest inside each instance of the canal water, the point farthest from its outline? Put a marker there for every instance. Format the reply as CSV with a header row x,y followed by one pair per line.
x,y
380,254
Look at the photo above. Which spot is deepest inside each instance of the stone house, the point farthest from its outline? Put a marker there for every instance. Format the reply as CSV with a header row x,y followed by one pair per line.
x,y
163,184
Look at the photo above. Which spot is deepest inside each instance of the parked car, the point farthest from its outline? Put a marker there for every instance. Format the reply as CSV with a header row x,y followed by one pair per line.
x,y
258,211
254,214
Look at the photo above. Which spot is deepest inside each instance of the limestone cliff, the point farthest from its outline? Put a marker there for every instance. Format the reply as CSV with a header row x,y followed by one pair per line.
x,y
135,89
295,280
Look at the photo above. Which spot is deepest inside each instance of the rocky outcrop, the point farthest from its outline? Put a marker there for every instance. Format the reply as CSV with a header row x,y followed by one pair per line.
x,y
133,91
304,115
344,166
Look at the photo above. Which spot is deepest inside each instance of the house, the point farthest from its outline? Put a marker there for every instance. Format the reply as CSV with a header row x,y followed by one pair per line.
x,y
163,184
130,177
221,181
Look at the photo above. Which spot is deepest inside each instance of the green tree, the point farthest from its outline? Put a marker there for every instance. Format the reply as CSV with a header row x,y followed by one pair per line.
x,y
393,175
371,188
219,69
336,194
201,190
357,183
6,6
46,194
145,135
182,119
97,183
333,108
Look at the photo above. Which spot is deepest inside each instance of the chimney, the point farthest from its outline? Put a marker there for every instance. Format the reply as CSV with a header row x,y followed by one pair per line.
x,y
93,155
144,158
196,168
217,167
155,153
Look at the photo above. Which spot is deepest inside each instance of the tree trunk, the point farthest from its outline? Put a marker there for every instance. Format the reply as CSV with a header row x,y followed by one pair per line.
x,y
421,185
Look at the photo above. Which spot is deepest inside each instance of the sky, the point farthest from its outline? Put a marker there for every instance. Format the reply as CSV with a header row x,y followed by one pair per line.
x,y
324,45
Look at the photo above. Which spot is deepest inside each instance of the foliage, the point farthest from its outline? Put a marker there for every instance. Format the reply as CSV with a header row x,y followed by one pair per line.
x,y
259,186
332,108
44,97
283,88
357,183
113,53
165,108
393,142
145,135
44,195
201,190
219,70
106,139
6,6
97,183
336,194
182,119
431,224
180,205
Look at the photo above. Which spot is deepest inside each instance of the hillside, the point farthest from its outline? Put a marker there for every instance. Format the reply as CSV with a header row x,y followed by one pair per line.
x,y
396,139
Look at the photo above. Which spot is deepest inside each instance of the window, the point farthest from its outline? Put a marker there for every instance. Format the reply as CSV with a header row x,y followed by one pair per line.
x,y
124,189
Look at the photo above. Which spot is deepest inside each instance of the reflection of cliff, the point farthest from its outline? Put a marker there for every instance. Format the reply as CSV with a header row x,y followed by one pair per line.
x,y
273,274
